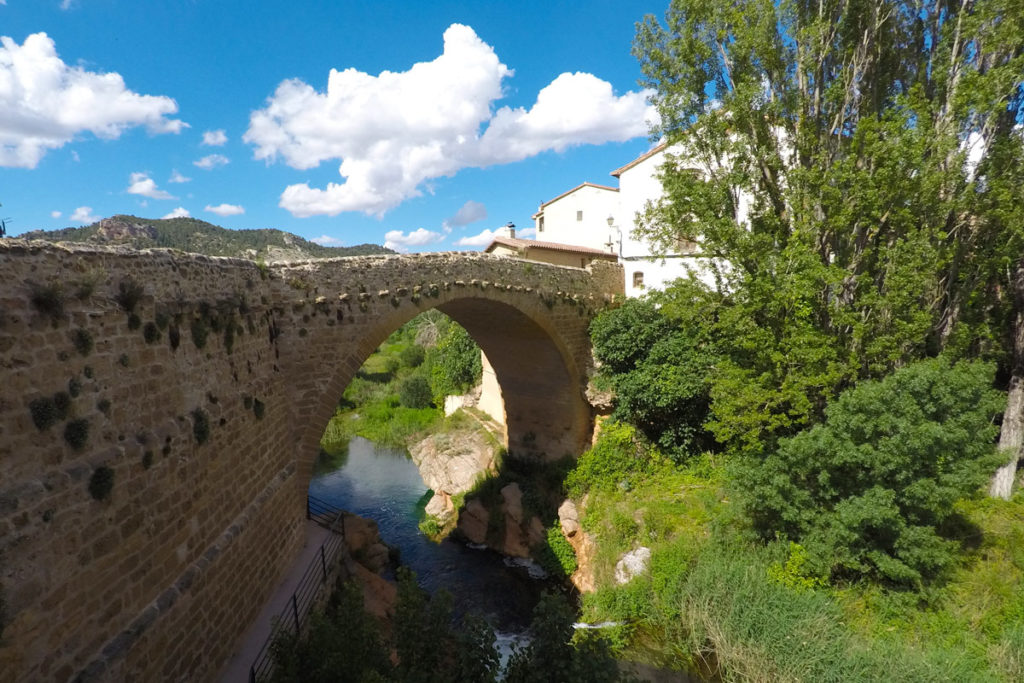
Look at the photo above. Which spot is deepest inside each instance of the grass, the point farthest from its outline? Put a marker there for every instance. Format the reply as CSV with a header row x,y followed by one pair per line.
x,y
717,602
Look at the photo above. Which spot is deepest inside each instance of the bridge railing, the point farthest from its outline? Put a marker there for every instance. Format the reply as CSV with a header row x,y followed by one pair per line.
x,y
311,588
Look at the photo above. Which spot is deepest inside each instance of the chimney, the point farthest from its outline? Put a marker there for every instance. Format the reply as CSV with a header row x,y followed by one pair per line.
x,y
508,231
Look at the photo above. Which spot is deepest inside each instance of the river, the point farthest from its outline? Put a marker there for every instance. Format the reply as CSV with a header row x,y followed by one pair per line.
x,y
385,485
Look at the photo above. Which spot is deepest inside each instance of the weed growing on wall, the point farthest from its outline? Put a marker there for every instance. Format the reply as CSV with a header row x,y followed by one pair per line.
x,y
200,426
101,483
82,340
76,433
129,294
48,299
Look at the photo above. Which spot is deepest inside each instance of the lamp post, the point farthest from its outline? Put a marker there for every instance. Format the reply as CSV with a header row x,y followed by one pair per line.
x,y
611,239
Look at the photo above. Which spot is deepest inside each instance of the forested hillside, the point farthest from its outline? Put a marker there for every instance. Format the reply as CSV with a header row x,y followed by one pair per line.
x,y
194,235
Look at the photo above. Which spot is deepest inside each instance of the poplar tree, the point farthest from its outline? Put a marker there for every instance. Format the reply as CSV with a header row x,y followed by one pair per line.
x,y
852,173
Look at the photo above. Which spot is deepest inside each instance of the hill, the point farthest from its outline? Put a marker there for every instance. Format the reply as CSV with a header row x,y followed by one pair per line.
x,y
194,235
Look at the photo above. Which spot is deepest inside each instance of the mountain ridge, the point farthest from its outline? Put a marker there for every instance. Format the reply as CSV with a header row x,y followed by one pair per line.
x,y
200,237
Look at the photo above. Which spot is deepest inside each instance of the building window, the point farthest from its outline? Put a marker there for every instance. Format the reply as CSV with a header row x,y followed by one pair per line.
x,y
579,215
540,224
638,280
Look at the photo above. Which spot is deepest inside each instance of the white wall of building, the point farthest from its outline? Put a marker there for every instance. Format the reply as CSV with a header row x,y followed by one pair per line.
x,y
579,217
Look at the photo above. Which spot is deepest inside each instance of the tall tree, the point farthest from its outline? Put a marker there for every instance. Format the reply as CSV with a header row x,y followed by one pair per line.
x,y
852,172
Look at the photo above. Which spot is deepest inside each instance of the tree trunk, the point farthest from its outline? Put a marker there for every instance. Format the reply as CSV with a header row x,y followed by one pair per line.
x,y
1010,439
1011,436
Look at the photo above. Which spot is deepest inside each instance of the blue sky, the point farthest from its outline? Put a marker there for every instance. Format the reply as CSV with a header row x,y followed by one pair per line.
x,y
420,124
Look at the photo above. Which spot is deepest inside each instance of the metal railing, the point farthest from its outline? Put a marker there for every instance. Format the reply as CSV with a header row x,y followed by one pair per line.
x,y
295,616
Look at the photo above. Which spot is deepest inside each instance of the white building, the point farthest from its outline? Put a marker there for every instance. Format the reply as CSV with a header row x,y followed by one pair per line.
x,y
601,217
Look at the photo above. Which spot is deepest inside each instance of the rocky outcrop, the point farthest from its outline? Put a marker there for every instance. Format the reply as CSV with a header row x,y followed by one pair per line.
x,y
367,556
633,563
582,544
474,521
452,463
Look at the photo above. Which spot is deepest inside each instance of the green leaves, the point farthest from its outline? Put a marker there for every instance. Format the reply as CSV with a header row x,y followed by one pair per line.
x,y
870,491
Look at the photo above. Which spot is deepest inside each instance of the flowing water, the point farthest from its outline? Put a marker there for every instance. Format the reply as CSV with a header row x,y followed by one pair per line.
x,y
385,485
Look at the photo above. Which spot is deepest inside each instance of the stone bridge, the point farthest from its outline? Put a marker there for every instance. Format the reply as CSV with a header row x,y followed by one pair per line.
x,y
160,414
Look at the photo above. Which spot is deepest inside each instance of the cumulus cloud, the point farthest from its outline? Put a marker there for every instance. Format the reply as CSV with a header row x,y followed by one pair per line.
x,y
84,214
480,240
526,232
177,177
53,214
396,131
142,184
471,212
180,212
211,161
399,241
214,138
225,209
45,103
326,240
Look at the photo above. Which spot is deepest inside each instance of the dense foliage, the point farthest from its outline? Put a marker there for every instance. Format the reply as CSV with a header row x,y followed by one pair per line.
x,y
852,174
869,491
431,645
659,371
454,364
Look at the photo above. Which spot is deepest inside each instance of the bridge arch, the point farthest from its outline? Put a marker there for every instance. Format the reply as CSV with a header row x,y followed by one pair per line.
x,y
200,386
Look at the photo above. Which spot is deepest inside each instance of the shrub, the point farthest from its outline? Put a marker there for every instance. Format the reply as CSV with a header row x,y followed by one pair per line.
x,y
48,299
412,356
623,336
151,333
44,412
619,454
454,363
101,483
82,341
557,556
129,293
258,408
200,330
871,491
414,392
76,433
200,426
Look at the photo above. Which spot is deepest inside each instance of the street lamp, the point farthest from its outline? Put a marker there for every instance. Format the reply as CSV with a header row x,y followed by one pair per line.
x,y
611,240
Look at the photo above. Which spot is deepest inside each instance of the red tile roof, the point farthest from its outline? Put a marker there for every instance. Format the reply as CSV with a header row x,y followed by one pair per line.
x,y
517,243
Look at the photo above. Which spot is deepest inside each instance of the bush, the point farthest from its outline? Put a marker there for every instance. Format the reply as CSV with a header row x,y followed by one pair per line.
x,y
871,492
414,392
454,364
660,372
619,454
101,483
412,356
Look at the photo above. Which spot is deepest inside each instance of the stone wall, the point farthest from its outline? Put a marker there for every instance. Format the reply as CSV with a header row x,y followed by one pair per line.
x,y
202,386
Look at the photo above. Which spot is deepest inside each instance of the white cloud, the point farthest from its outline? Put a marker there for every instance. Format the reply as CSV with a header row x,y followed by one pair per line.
x,y
225,209
214,138
177,177
526,232
481,240
83,214
142,184
471,212
66,4
56,214
326,240
180,212
395,132
397,240
211,161
45,103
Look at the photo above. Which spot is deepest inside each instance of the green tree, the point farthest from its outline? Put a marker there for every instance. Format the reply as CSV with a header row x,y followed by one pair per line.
x,y
872,490
660,370
414,392
454,363
852,174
